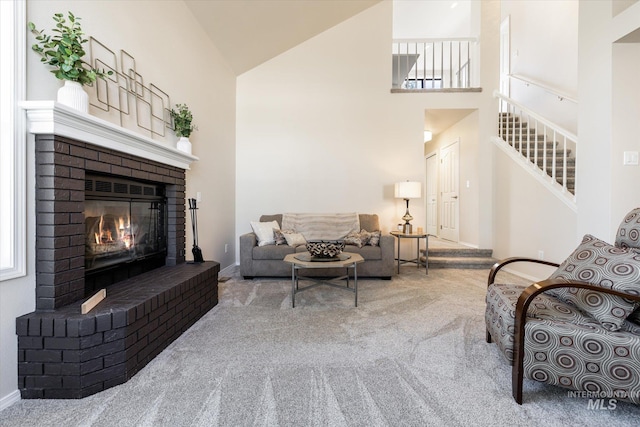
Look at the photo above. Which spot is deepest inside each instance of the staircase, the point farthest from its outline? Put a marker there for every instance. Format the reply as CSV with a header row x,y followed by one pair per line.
x,y
539,149
461,258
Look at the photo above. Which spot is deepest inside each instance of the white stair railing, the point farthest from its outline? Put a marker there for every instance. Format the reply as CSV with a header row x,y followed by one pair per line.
x,y
543,147
434,63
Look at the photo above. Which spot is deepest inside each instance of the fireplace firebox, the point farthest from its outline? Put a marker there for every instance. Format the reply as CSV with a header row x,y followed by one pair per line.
x,y
125,229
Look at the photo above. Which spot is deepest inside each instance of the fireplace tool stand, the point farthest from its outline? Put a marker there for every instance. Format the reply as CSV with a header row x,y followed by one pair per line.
x,y
197,253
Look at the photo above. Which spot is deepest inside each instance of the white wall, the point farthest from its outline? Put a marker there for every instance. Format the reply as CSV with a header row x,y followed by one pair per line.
x,y
17,297
172,52
608,115
432,19
319,131
529,218
544,48
626,126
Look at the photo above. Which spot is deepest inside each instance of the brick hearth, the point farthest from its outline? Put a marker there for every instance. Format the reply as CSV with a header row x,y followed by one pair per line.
x,y
64,354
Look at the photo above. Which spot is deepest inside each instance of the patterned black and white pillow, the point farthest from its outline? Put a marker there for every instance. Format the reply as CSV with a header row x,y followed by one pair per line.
x,y
628,235
365,237
601,264
279,236
293,239
374,239
354,239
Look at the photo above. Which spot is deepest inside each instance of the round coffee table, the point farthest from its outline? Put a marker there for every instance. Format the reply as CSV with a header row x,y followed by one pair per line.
x,y
304,260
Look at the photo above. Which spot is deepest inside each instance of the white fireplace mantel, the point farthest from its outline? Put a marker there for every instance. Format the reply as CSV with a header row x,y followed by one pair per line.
x,y
49,117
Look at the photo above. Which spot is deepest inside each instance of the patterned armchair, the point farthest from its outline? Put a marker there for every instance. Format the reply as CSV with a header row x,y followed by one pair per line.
x,y
580,328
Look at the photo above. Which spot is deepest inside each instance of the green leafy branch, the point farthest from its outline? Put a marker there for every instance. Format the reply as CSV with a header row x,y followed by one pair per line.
x,y
64,50
182,119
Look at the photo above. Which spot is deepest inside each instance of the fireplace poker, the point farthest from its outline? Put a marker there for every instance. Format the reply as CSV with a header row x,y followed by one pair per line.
x,y
197,252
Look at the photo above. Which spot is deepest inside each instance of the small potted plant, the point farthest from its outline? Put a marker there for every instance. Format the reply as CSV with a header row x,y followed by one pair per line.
x,y
183,126
64,51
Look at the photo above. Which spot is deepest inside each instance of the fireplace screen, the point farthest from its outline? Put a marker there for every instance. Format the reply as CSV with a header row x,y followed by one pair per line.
x,y
120,231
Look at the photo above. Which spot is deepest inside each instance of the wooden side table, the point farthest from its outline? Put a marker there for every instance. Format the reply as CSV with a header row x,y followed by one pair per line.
x,y
400,235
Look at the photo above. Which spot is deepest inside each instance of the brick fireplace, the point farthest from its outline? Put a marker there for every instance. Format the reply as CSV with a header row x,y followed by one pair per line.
x,y
61,352
61,168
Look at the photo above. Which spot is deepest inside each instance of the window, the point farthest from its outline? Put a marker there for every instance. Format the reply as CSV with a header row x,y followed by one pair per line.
x,y
12,140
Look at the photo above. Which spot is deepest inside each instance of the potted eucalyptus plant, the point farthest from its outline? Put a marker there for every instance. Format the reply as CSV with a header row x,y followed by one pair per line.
x,y
183,126
64,52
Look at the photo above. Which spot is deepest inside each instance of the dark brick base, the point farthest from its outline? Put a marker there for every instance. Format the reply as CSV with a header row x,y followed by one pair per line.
x,y
65,354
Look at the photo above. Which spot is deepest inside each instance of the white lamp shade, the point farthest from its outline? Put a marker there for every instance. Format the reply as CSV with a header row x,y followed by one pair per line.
x,y
408,190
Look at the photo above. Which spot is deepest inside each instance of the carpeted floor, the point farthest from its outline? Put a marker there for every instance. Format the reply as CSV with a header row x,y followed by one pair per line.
x,y
412,354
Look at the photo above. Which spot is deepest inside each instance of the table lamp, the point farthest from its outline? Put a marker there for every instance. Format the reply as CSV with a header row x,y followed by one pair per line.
x,y
408,190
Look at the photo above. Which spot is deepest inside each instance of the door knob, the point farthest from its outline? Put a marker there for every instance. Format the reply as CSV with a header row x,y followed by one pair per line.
x,y
454,197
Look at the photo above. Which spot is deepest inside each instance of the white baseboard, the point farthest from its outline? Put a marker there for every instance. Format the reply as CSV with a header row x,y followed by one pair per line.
x,y
227,271
9,399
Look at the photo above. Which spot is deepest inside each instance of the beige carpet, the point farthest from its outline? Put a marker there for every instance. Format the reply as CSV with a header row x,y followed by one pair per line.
x,y
412,354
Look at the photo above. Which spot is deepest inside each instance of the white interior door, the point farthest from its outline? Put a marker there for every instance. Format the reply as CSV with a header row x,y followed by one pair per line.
x,y
431,195
449,192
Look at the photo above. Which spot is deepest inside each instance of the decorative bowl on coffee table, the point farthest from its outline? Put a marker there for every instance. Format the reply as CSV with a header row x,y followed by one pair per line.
x,y
325,248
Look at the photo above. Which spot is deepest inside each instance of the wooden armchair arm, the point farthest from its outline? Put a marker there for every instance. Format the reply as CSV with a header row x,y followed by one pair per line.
x,y
521,317
498,265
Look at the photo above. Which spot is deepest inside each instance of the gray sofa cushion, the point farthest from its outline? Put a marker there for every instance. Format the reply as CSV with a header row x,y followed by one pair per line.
x,y
269,218
273,251
368,252
369,222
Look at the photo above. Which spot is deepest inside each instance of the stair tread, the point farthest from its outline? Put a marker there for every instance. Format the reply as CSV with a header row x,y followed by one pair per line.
x,y
570,170
469,260
539,146
463,258
460,262
459,252
570,163
532,147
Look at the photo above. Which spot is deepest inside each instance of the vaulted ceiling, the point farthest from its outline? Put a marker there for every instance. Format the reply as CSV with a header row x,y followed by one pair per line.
x,y
250,32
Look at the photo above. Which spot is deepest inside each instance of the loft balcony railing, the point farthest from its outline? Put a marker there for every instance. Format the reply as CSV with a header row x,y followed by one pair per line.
x,y
434,64
546,150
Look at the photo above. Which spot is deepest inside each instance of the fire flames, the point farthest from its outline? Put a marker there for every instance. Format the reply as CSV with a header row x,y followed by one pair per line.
x,y
121,226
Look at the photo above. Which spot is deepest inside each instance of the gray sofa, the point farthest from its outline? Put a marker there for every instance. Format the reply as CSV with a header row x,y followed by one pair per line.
x,y
267,261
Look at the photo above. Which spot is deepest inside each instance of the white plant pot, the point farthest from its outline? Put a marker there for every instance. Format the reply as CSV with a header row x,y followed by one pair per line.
x,y
73,95
184,145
